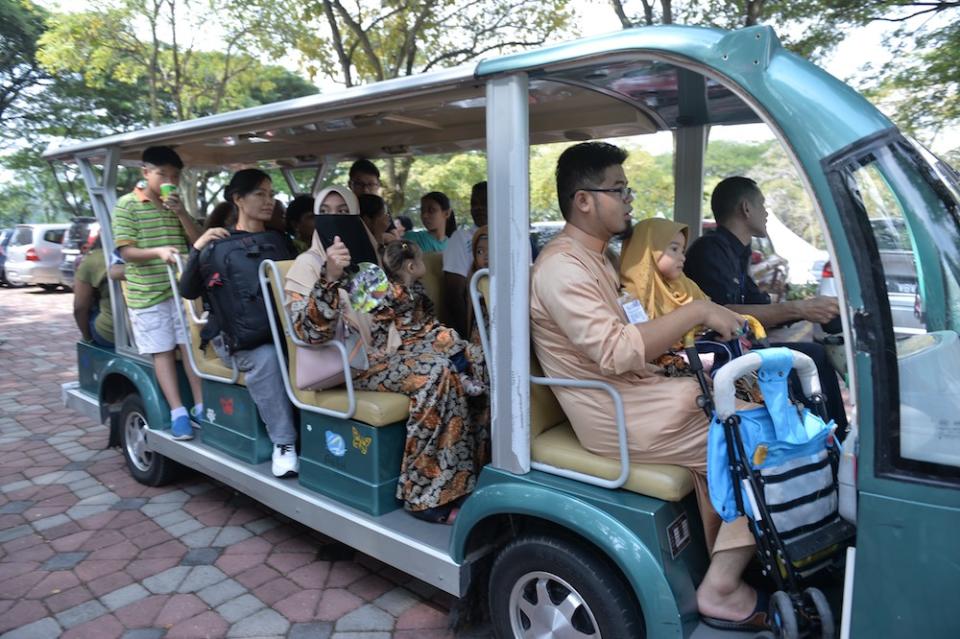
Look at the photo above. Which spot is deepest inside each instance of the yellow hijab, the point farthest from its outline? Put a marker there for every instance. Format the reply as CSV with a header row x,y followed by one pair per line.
x,y
642,278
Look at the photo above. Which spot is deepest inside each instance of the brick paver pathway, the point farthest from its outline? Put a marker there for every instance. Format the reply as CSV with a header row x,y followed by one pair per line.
x,y
86,552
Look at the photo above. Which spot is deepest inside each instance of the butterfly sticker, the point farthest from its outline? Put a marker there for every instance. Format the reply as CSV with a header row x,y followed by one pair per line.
x,y
362,443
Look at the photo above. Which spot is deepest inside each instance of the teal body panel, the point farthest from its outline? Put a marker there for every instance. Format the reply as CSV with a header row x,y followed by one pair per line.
x,y
231,423
629,528
352,462
907,580
91,361
142,377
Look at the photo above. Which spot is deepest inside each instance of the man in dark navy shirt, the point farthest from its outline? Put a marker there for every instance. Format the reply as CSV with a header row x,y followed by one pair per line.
x,y
718,263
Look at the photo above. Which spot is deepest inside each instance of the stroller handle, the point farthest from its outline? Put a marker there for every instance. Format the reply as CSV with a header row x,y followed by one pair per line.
x,y
723,382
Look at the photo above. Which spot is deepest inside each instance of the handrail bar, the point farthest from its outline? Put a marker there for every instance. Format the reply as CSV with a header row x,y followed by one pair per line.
x,y
181,317
572,383
265,283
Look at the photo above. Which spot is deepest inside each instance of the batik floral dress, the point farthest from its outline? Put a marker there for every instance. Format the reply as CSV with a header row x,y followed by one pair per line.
x,y
447,438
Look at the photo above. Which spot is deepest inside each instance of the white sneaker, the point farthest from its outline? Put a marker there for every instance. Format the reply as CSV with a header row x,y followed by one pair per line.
x,y
285,461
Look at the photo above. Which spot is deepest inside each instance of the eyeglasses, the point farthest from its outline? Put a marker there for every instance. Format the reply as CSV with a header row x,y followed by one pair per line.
x,y
357,184
625,192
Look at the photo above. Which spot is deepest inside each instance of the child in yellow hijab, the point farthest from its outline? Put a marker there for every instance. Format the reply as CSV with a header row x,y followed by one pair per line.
x,y
651,269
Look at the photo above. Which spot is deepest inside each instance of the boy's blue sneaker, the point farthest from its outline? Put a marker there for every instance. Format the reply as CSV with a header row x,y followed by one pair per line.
x,y
181,428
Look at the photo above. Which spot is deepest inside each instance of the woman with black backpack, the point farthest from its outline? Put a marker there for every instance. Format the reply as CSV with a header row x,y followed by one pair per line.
x,y
223,267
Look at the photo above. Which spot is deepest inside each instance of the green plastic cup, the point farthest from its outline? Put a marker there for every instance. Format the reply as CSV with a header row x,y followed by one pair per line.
x,y
166,190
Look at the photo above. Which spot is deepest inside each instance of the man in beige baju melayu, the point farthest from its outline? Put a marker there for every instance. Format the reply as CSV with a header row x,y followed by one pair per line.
x,y
580,330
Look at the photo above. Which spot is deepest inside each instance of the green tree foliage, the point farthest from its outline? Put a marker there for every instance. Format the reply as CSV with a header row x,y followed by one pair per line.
x,y
366,41
21,23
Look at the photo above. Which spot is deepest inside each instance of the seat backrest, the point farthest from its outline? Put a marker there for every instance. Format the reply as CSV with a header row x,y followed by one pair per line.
x,y
276,290
433,282
545,410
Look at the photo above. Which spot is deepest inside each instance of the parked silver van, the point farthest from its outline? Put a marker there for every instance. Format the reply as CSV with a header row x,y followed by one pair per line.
x,y
33,256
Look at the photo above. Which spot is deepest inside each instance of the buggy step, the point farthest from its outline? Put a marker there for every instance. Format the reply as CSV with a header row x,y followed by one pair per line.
x,y
832,534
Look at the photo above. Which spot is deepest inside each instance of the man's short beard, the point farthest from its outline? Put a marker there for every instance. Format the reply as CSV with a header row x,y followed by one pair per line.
x,y
625,234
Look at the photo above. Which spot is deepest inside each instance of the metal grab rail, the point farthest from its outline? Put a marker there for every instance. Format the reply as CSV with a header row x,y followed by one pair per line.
x,y
174,278
571,383
273,278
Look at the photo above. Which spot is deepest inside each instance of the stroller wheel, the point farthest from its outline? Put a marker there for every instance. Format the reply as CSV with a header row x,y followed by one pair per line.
x,y
783,617
819,601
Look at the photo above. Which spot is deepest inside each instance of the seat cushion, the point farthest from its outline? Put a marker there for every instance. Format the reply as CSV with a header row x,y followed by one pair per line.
x,y
559,447
433,283
373,407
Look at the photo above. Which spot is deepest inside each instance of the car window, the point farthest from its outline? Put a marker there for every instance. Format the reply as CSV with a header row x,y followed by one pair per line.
x,y
22,236
54,235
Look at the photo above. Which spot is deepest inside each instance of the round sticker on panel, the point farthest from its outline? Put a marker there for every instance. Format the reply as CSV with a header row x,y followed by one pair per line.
x,y
335,444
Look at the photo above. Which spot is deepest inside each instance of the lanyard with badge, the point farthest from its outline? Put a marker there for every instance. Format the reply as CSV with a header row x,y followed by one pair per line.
x,y
632,308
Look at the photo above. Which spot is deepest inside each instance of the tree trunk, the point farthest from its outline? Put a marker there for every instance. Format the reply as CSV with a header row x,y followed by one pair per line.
x,y
398,170
667,7
754,12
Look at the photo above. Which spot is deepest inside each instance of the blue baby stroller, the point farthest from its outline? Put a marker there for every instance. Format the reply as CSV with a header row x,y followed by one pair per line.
x,y
777,464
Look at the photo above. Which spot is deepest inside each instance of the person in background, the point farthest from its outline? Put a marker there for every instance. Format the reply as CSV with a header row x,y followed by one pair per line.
x,y
438,219
718,262
151,227
373,212
403,223
457,258
278,219
481,259
300,224
91,298
364,178
223,215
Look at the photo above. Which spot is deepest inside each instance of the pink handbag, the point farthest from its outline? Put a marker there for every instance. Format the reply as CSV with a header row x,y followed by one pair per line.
x,y
321,367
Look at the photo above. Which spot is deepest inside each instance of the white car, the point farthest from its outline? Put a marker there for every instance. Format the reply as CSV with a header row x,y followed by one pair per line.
x,y
33,255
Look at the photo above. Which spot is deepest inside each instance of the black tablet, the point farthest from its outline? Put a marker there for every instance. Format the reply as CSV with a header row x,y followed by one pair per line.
x,y
352,232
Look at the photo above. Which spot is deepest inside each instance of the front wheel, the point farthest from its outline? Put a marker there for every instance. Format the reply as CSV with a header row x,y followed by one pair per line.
x,y
542,586
146,467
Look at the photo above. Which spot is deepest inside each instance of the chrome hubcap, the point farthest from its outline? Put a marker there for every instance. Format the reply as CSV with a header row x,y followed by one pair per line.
x,y
544,606
135,436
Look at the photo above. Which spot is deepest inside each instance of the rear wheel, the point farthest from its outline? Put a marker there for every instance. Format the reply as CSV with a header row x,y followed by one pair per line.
x,y
146,467
547,587
819,602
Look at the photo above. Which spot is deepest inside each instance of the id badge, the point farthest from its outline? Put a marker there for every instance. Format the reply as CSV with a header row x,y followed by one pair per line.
x,y
635,312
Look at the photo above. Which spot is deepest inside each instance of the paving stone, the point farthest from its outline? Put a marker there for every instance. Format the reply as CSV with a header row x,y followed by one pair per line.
x,y
174,496
201,577
396,601
199,488
201,557
173,514
64,560
106,497
17,485
184,527
360,635
167,581
15,533
46,627
231,535
218,593
129,504
76,465
144,633
206,624
179,608
366,617
313,630
81,614
16,507
236,609
51,522
261,526
124,596
265,622
90,491
162,508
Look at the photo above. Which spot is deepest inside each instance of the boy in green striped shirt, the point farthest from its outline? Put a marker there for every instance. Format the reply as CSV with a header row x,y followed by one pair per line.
x,y
149,232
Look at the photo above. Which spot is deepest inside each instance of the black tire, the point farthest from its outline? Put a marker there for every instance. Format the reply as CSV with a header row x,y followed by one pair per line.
x,y
146,467
537,566
783,616
828,629
49,287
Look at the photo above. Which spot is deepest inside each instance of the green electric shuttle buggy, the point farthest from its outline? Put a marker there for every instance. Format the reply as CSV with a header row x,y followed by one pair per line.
x,y
556,541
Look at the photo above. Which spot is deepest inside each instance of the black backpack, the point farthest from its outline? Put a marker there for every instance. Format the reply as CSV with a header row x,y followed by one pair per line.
x,y
229,269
